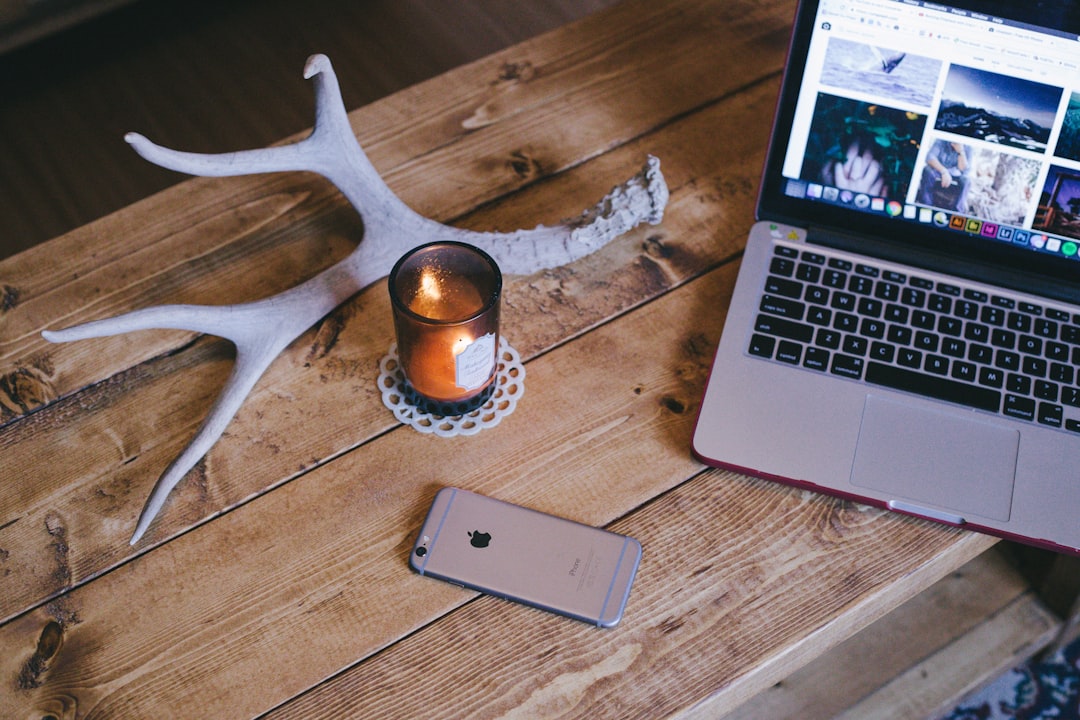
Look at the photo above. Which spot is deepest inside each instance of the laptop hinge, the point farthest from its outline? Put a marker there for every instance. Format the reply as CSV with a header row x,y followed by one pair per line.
x,y
962,267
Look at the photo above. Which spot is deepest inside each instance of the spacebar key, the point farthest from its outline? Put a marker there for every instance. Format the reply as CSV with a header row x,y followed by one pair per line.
x,y
935,387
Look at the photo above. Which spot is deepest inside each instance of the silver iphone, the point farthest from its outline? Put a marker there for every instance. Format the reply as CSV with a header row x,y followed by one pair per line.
x,y
528,556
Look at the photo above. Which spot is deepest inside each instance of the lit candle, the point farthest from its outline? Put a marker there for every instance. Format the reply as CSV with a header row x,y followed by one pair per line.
x,y
445,298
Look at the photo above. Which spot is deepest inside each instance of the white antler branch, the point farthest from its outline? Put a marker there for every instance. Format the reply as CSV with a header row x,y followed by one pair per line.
x,y
262,329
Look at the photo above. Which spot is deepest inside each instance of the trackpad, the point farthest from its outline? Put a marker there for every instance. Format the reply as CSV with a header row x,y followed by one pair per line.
x,y
936,458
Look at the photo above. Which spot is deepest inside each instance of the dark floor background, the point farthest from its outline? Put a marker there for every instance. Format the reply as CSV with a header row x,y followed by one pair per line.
x,y
211,76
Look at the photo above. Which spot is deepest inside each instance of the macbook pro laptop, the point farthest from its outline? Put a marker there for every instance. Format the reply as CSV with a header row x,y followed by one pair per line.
x,y
905,328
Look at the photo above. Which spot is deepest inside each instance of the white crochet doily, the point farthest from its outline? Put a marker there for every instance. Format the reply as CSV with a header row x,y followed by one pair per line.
x,y
509,387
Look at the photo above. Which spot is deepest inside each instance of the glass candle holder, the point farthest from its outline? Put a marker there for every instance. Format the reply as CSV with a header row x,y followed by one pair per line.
x,y
445,299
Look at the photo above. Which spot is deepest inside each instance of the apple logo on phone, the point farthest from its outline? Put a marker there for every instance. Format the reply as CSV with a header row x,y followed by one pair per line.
x,y
479,539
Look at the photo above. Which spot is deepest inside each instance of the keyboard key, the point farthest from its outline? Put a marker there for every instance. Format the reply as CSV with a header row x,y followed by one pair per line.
x,y
992,316
1019,407
1019,322
923,320
872,328
817,295
1062,373
890,292
870,307
1035,367
900,335
837,263
1047,329
940,303
785,251
1018,384
1003,302
780,327
816,358
949,326
1050,414
976,295
789,352
894,277
835,279
846,322
761,345
818,315
913,297
828,339
991,377
813,257
1070,396
896,313
783,307
966,309
1030,309
1003,338
977,333
1046,390
882,352
947,289
847,366
843,301
1059,315
855,345
1057,351
935,387
1030,345
927,342
909,358
964,371
782,266
867,270
953,347
784,288
861,285
808,273
1007,360
937,365
981,354
922,283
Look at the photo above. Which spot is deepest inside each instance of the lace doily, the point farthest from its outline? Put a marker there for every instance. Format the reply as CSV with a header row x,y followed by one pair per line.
x,y
509,387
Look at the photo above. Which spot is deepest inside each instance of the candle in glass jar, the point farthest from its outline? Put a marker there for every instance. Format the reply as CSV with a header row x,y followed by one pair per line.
x,y
445,298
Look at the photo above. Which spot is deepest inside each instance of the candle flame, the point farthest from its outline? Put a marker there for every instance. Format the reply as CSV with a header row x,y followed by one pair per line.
x,y
429,284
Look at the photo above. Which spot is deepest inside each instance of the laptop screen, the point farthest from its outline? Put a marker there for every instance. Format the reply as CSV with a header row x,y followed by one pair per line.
x,y
964,123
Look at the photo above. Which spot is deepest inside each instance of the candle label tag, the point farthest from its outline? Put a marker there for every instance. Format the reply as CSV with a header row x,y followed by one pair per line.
x,y
474,364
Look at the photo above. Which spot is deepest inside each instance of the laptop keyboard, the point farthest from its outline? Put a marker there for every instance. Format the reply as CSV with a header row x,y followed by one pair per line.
x,y
918,335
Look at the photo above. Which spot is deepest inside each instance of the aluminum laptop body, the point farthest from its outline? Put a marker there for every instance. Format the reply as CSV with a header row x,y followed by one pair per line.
x,y
905,327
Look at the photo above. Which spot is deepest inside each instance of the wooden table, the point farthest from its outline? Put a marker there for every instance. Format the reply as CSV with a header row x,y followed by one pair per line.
x,y
276,579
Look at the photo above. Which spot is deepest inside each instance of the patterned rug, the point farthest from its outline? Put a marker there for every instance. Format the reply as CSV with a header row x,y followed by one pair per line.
x,y
1044,690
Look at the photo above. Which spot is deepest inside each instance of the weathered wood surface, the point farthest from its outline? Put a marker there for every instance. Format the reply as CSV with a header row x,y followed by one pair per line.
x,y
969,627
281,560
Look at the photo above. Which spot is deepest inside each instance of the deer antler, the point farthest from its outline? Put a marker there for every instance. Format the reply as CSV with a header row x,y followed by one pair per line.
x,y
262,329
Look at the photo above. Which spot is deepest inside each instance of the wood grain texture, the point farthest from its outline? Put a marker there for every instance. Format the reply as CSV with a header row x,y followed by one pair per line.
x,y
229,227
209,76
328,376
986,592
277,578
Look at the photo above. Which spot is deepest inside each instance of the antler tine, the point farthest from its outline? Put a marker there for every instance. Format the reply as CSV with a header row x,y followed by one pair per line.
x,y
262,329
249,367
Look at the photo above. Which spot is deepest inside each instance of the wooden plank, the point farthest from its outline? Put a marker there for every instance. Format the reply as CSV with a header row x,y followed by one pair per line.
x,y
987,592
446,147
935,685
327,378
312,578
